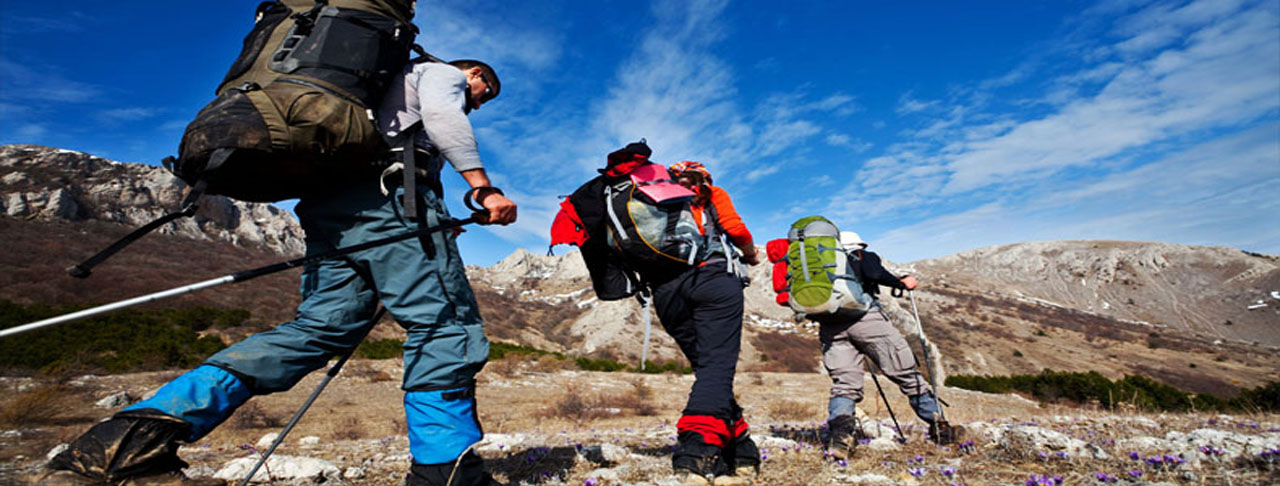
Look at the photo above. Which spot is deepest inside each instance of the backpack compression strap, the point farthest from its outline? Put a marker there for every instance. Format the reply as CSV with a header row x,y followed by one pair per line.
x,y
189,207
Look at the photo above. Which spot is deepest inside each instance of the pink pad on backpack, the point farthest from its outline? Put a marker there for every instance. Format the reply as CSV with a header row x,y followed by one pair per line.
x,y
654,181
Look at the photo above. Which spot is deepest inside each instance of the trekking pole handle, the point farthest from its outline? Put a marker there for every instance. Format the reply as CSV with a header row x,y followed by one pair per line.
x,y
471,203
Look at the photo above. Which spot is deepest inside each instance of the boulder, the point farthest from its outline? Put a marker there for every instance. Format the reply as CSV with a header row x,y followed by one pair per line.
x,y
304,470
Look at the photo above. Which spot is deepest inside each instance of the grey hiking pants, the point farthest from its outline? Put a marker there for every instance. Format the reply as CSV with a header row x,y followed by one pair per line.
x,y
848,341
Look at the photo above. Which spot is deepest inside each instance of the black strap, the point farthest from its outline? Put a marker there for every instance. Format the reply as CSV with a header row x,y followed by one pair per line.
x,y
188,209
410,171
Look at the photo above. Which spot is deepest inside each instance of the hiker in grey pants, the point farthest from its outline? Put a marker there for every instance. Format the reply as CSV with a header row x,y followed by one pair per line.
x,y
850,337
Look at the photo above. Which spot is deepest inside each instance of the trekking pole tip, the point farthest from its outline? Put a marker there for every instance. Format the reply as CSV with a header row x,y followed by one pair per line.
x,y
78,271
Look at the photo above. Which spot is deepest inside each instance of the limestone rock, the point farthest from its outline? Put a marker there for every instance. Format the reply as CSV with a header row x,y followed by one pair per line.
x,y
282,468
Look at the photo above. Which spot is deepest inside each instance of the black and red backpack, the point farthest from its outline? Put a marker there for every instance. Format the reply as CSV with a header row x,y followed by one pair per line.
x,y
630,221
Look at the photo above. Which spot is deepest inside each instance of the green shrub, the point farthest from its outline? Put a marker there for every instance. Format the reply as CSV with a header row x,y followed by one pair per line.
x,y
1140,391
380,349
122,341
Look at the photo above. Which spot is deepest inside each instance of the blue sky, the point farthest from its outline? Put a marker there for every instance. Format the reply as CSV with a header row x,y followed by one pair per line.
x,y
928,127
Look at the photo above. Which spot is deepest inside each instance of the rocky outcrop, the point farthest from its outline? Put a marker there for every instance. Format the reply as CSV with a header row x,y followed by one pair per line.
x,y
1215,293
63,185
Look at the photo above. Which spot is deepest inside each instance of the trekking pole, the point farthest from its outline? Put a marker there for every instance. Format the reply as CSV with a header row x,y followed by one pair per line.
x,y
924,344
328,376
478,217
645,298
902,439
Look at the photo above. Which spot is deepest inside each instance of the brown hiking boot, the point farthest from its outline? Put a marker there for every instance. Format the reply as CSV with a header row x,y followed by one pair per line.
x,y
943,433
693,479
843,437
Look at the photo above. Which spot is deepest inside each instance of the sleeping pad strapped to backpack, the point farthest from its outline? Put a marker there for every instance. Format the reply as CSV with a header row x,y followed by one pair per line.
x,y
814,274
296,104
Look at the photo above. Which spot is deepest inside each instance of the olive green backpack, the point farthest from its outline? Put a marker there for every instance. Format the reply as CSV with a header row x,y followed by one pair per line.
x,y
295,109
294,114
820,274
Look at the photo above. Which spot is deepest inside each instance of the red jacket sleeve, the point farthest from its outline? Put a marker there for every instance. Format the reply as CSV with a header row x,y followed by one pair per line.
x,y
729,219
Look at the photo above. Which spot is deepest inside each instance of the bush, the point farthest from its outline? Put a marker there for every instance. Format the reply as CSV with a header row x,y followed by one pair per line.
x,y
1139,391
380,349
122,341
787,352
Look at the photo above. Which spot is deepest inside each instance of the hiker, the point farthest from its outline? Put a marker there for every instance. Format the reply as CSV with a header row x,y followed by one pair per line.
x,y
643,235
421,282
849,337
713,201
701,308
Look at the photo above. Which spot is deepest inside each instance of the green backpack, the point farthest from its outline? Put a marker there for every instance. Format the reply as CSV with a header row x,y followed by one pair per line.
x,y
821,275
294,112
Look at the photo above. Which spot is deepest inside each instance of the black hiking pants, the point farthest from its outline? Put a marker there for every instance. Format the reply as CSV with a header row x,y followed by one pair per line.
x,y
702,309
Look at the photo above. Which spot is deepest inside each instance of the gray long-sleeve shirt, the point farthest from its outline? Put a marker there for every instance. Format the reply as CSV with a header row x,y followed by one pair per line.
x,y
435,94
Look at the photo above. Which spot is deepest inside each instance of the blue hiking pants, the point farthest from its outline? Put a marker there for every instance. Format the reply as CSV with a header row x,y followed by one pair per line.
x,y
421,282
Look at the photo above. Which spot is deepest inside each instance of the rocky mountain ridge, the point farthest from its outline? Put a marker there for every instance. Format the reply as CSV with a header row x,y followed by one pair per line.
x,y
1204,317
54,184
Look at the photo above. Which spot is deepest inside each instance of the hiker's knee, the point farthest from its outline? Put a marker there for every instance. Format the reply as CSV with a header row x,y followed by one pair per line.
x,y
442,355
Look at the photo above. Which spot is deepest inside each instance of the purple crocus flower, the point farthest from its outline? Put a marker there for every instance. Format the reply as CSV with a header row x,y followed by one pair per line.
x,y
842,463
1135,474
947,471
1134,455
590,482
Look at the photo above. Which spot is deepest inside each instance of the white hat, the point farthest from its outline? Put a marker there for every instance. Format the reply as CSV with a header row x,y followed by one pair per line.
x,y
851,241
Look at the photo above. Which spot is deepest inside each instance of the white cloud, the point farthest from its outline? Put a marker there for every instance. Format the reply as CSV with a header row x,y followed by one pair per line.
x,y
1219,191
1106,155
503,34
121,115
908,104
22,81
30,132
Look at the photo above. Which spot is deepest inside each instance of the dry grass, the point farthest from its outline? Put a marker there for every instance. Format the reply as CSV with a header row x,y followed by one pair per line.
x,y
348,428
366,370
782,405
787,410
252,415
576,405
39,405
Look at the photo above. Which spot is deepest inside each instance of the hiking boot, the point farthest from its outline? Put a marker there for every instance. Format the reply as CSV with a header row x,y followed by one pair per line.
x,y
742,454
943,433
467,470
843,438
132,444
688,478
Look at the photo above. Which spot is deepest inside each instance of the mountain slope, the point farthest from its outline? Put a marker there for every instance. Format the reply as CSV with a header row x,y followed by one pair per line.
x,y
1203,318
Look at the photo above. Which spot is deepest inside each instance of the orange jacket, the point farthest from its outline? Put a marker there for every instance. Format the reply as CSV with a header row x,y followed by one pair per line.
x,y
729,220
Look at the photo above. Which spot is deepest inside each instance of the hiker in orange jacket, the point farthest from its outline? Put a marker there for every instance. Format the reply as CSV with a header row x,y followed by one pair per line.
x,y
714,200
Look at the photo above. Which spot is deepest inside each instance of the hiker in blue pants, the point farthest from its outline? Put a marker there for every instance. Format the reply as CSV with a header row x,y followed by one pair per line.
x,y
421,282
